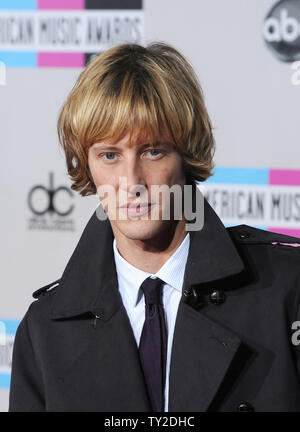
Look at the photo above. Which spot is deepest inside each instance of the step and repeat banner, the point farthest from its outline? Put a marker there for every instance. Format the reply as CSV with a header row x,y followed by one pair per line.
x,y
247,56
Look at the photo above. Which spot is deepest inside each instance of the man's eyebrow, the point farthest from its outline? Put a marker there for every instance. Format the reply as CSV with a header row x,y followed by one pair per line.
x,y
101,146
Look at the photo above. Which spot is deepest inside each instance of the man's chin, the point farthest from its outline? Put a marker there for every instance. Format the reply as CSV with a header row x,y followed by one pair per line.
x,y
138,229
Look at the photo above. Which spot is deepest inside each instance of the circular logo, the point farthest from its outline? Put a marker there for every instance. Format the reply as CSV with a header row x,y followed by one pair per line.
x,y
281,30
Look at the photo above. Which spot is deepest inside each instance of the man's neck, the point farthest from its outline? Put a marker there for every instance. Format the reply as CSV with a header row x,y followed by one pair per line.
x,y
150,255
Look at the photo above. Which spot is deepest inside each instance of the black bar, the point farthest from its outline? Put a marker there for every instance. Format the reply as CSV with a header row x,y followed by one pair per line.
x,y
114,4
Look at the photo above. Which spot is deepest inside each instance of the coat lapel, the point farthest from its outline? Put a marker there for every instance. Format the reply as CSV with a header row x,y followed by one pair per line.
x,y
106,375
196,373
203,350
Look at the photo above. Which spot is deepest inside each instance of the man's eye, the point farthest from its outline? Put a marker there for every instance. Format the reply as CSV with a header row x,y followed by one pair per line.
x,y
155,150
109,155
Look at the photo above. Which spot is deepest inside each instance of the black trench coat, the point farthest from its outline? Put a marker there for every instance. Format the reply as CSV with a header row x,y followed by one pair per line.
x,y
232,349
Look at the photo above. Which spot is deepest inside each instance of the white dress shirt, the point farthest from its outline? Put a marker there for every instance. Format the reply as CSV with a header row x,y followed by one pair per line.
x,y
131,278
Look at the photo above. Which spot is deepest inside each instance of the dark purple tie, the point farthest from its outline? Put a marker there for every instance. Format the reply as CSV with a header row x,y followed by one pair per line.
x,y
153,343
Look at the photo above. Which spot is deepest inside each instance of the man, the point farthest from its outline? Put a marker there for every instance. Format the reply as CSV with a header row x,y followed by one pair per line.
x,y
151,314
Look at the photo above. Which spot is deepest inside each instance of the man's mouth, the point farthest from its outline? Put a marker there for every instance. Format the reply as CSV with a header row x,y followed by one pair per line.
x,y
136,205
137,209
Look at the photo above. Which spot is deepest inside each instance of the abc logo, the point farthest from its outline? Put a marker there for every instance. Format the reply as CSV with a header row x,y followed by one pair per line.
x,y
281,30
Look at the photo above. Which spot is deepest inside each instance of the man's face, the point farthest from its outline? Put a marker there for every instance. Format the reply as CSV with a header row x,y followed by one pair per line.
x,y
124,166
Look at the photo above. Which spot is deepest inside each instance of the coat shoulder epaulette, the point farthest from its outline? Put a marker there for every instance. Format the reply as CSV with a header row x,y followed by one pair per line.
x,y
45,289
245,234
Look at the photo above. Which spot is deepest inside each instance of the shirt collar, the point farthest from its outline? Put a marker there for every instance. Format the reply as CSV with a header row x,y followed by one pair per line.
x,y
172,271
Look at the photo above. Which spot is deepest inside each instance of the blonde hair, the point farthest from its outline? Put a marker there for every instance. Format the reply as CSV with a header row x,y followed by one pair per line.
x,y
149,91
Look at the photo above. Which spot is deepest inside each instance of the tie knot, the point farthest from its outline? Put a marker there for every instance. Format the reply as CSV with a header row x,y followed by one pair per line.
x,y
152,289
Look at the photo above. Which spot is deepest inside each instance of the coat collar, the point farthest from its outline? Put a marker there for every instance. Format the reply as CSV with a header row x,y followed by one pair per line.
x,y
89,282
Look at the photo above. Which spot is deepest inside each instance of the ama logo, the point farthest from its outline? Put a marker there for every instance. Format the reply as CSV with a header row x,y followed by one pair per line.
x,y
281,30
65,33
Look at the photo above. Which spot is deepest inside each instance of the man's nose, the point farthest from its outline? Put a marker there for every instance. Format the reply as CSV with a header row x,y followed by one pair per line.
x,y
134,178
